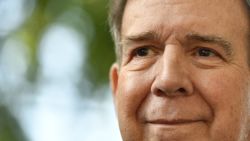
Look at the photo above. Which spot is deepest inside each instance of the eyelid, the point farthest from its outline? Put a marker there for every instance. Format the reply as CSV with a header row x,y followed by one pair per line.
x,y
216,53
151,48
195,49
209,49
135,50
129,52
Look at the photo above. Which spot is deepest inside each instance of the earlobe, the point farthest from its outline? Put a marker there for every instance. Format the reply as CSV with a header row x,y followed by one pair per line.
x,y
114,76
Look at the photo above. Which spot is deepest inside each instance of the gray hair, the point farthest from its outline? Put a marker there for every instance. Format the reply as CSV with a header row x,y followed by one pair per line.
x,y
115,21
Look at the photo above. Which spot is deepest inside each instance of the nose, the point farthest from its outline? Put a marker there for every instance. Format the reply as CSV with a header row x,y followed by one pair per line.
x,y
172,74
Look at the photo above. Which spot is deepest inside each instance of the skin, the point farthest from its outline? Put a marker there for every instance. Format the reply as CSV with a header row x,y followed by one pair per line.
x,y
183,74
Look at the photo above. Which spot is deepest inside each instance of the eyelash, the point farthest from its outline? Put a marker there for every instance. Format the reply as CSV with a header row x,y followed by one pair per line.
x,y
195,52
150,51
216,54
135,52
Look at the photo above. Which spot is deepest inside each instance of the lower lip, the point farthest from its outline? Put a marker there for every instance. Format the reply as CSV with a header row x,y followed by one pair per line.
x,y
175,131
175,124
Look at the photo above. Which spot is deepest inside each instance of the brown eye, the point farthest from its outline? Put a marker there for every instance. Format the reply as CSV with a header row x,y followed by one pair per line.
x,y
207,57
141,52
204,52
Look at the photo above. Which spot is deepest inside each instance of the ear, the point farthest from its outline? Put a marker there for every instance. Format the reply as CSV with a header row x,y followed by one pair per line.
x,y
114,76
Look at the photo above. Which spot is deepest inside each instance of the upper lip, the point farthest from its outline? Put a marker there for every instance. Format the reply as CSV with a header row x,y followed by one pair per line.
x,y
174,121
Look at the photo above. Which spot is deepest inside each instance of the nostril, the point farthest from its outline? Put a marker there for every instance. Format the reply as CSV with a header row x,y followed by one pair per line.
x,y
182,90
159,92
162,92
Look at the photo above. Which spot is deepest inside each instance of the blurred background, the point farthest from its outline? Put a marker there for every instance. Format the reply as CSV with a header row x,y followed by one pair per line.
x,y
54,61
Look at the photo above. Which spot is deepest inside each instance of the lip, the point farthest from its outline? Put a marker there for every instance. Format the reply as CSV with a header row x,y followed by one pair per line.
x,y
173,122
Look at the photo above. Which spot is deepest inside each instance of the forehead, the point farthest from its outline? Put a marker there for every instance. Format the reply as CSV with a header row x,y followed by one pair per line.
x,y
167,16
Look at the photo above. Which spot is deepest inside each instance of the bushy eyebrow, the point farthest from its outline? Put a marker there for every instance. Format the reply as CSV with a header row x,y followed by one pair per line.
x,y
192,36
145,36
141,37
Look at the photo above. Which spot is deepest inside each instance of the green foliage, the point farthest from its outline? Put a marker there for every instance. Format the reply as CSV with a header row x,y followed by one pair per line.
x,y
100,52
9,129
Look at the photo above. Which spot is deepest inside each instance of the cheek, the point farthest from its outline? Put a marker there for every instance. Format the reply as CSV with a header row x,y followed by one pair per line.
x,y
226,93
224,90
132,89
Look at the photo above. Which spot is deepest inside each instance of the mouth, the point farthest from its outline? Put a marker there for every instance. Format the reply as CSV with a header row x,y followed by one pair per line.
x,y
175,129
173,122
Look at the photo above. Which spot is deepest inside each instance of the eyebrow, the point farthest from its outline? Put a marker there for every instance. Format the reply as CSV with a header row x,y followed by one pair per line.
x,y
152,36
144,36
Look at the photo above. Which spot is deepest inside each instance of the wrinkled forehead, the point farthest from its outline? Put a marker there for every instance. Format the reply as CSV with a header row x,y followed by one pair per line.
x,y
199,13
201,8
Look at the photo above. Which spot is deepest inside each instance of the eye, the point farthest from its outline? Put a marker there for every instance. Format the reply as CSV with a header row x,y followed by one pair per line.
x,y
207,57
205,52
142,52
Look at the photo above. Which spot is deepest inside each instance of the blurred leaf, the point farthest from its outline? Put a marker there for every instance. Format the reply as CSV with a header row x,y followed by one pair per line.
x,y
9,127
101,52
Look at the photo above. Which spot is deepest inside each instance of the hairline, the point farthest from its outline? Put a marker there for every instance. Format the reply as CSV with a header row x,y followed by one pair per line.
x,y
115,23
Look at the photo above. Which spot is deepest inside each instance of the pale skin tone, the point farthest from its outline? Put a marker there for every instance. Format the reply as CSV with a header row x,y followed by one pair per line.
x,y
183,74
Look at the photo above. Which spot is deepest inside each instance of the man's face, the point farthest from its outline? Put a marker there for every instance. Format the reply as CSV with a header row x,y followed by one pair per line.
x,y
184,74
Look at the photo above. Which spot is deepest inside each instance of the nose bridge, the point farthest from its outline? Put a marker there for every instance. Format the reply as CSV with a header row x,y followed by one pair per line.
x,y
171,63
172,77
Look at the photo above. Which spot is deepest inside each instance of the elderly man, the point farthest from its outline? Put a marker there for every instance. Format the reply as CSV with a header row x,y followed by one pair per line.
x,y
183,70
